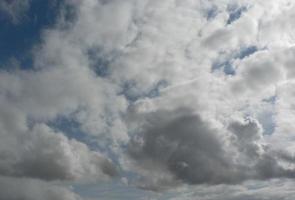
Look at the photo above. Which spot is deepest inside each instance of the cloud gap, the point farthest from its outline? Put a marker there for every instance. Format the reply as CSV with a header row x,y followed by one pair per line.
x,y
225,62
235,13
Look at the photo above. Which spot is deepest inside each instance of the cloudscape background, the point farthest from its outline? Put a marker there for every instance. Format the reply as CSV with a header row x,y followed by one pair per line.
x,y
147,99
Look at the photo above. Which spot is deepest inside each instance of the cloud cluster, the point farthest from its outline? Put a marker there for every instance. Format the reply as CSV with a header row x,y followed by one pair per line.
x,y
30,149
181,147
43,154
175,91
33,150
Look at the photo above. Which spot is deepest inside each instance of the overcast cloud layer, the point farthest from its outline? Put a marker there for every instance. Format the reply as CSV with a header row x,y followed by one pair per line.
x,y
188,95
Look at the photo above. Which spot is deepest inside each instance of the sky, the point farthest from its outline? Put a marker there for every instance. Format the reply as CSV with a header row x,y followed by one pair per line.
x,y
147,100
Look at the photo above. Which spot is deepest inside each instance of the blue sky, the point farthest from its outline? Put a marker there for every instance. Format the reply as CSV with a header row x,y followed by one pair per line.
x,y
147,100
18,39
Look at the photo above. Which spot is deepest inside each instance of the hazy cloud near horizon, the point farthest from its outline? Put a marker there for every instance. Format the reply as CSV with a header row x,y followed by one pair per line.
x,y
158,94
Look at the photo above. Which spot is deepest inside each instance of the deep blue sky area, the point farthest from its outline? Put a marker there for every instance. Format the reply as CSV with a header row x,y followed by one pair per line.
x,y
17,39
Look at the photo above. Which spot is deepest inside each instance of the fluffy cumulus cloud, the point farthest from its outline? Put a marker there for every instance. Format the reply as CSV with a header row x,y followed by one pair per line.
x,y
163,94
179,147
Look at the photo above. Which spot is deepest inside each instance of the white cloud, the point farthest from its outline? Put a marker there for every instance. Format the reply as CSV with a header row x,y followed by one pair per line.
x,y
125,69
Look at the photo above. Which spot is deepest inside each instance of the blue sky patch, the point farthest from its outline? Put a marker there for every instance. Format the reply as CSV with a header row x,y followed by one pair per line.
x,y
225,63
130,91
226,66
99,63
18,39
267,119
271,99
245,52
68,126
212,13
235,13
268,122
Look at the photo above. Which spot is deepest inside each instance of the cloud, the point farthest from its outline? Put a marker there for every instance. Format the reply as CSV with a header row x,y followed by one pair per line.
x,y
194,152
142,75
28,189
60,86
14,10
184,145
48,155
31,150
257,190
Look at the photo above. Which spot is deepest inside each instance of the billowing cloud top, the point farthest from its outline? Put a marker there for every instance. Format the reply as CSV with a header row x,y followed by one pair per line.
x,y
155,94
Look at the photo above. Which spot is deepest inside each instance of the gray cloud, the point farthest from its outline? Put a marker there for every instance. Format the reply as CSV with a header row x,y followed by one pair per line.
x,y
187,146
256,190
29,189
195,153
44,154
113,55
